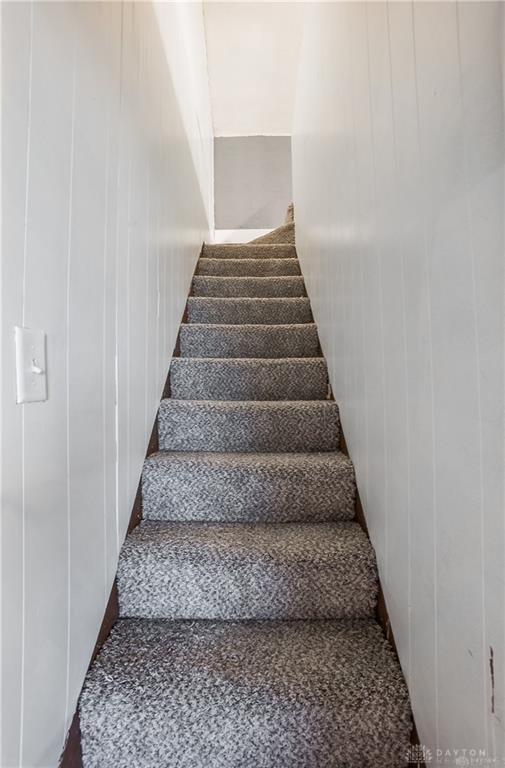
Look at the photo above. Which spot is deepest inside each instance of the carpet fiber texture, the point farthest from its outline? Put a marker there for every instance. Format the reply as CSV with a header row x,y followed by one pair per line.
x,y
249,287
280,426
283,234
203,694
248,311
248,487
249,379
248,267
268,341
247,594
248,251
247,571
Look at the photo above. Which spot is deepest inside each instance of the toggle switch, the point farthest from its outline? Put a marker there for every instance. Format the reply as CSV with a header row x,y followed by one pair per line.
x,y
31,376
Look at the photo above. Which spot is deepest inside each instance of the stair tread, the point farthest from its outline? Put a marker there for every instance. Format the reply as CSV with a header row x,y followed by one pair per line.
x,y
247,571
197,378
219,286
277,694
244,267
232,341
235,487
252,425
249,251
240,311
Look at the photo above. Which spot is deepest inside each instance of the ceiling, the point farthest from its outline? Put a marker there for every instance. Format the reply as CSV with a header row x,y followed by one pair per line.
x,y
252,54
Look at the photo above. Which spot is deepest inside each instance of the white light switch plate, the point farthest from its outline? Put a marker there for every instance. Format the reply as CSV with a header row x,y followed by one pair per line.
x,y
31,375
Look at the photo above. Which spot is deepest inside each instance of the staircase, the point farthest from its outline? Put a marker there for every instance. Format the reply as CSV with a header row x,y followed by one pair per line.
x,y
247,635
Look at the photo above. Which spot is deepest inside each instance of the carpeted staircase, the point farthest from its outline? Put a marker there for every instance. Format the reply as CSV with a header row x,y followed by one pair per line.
x,y
247,594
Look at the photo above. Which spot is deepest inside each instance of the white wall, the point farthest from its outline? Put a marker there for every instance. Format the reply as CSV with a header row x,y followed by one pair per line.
x,y
399,197
252,50
106,200
182,31
252,181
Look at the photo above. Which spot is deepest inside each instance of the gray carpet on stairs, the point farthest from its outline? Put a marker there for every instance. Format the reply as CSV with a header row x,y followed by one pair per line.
x,y
205,694
265,341
248,251
247,571
283,234
248,311
248,267
243,287
253,586
248,487
264,426
248,379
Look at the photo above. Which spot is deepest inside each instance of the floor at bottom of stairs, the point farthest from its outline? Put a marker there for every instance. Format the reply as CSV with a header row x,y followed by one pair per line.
x,y
207,694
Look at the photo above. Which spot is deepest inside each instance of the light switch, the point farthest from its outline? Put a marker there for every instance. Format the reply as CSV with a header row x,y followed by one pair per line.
x,y
31,375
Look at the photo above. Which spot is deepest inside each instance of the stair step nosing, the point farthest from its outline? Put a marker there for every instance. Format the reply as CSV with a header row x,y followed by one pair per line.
x,y
248,250
250,299
221,326
256,261
250,278
248,267
320,361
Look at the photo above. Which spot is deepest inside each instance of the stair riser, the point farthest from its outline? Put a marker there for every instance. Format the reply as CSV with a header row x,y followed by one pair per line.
x,y
248,311
312,594
255,572
248,267
186,487
248,380
280,427
249,287
246,251
249,341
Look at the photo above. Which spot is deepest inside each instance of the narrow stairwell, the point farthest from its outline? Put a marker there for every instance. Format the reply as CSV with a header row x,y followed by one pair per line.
x,y
247,635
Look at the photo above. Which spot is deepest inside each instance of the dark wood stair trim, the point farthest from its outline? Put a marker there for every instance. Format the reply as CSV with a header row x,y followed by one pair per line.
x,y
381,611
71,756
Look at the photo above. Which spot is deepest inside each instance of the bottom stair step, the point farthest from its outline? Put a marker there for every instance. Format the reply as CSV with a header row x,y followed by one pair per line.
x,y
203,694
